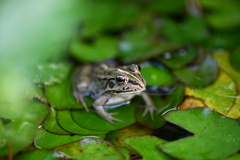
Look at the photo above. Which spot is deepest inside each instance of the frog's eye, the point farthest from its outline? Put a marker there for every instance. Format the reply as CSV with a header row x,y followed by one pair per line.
x,y
120,79
139,68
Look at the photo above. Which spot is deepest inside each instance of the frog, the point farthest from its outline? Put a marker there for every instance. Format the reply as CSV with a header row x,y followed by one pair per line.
x,y
110,86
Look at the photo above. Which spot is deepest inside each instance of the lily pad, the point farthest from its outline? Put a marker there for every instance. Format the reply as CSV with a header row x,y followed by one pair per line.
x,y
157,76
147,147
66,122
19,133
210,129
50,73
90,120
233,157
191,102
200,75
46,140
61,96
51,124
91,149
219,13
34,91
223,60
235,56
101,49
220,96
142,43
40,155
179,58
117,137
163,104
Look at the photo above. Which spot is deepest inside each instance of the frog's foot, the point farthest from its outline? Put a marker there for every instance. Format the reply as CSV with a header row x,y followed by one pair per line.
x,y
80,99
110,119
150,109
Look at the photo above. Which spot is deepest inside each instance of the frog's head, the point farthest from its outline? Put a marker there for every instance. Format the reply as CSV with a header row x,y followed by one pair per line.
x,y
128,80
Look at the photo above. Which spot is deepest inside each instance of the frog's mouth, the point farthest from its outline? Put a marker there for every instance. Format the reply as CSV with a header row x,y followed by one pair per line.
x,y
133,91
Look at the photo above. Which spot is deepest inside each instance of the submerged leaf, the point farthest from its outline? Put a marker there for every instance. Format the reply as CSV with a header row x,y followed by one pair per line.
x,y
117,137
163,104
201,75
210,129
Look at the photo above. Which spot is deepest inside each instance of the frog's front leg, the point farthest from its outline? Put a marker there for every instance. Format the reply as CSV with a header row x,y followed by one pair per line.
x,y
98,105
149,105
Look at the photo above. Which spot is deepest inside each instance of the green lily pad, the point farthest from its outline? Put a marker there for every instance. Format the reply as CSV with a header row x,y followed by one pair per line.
x,y
183,32
219,13
90,120
101,49
210,129
163,104
200,75
142,43
61,96
157,76
34,91
66,122
117,137
223,60
46,140
40,155
219,96
50,73
19,132
235,56
179,58
147,147
51,124
91,149
233,157
167,6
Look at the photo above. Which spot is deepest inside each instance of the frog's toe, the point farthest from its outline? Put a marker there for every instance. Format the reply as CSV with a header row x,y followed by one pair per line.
x,y
150,110
111,119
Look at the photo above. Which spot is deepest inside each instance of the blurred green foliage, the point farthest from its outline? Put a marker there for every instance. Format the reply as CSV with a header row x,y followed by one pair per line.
x,y
42,41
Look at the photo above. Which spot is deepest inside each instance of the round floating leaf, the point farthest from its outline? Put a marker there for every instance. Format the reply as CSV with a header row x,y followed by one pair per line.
x,y
163,104
19,132
201,75
46,140
224,63
235,56
91,149
142,43
116,137
233,157
90,120
147,147
40,155
210,129
191,102
34,91
51,73
61,96
219,12
65,121
51,124
157,76
179,58
220,96
101,49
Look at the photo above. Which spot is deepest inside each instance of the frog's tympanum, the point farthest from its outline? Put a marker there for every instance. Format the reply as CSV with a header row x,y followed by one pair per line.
x,y
110,86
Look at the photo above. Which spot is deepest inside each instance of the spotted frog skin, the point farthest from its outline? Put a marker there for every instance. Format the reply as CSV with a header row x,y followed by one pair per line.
x,y
110,86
